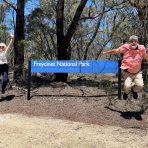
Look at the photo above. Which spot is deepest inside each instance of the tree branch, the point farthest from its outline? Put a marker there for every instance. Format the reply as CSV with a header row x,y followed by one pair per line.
x,y
10,4
74,23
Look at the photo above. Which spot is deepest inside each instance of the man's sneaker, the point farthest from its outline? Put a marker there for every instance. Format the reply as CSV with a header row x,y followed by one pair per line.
x,y
125,96
135,95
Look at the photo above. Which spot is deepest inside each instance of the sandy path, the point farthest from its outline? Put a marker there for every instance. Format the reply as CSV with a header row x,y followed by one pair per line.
x,y
17,131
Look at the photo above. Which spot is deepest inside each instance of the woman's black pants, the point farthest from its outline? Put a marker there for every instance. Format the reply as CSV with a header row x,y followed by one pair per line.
x,y
4,72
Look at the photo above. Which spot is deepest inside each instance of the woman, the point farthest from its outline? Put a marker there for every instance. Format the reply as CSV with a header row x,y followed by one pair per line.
x,y
3,63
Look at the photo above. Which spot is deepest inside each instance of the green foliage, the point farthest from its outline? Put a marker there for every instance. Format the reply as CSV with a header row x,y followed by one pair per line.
x,y
114,28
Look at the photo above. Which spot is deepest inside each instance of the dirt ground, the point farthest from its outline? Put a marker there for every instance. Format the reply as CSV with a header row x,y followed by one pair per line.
x,y
79,114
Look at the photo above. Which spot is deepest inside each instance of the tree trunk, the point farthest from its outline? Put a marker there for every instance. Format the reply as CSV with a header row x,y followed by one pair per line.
x,y
63,42
19,42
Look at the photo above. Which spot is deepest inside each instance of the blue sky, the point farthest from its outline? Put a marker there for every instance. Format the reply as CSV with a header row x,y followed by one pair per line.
x,y
30,5
89,2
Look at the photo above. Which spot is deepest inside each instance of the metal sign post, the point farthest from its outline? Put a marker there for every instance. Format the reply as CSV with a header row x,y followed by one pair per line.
x,y
29,80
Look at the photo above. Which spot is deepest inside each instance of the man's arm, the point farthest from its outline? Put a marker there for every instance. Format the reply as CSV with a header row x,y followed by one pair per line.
x,y
113,51
10,43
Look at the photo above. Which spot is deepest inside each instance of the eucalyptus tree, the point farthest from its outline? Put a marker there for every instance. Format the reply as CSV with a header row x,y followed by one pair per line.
x,y
41,34
41,27
96,12
135,13
142,12
100,22
61,27
19,36
73,36
2,16
63,40
3,26
2,13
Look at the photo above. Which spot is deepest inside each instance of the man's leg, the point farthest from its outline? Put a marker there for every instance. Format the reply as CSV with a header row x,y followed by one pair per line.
x,y
127,84
138,85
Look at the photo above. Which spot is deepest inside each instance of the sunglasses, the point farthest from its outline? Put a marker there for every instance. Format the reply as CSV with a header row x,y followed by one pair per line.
x,y
2,47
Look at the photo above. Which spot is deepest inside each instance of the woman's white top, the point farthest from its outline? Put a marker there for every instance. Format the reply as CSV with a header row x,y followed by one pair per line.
x,y
3,57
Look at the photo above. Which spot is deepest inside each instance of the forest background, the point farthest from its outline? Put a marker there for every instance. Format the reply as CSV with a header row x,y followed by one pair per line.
x,y
69,29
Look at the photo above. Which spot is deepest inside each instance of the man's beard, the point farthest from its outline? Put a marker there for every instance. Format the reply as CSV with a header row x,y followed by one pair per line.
x,y
134,46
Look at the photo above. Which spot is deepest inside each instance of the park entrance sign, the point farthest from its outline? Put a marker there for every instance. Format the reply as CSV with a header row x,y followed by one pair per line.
x,y
74,66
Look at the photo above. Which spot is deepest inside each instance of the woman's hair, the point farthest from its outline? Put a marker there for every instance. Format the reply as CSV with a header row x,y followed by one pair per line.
x,y
3,44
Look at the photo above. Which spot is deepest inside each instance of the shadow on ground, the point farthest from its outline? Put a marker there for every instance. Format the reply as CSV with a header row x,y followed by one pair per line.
x,y
7,98
130,114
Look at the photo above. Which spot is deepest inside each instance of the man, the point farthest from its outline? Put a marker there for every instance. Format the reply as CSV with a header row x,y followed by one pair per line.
x,y
3,63
133,54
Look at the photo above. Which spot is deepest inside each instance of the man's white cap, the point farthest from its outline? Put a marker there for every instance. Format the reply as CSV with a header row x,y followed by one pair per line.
x,y
133,37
